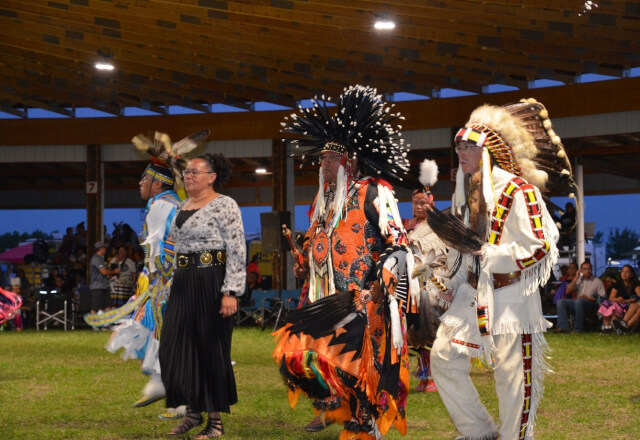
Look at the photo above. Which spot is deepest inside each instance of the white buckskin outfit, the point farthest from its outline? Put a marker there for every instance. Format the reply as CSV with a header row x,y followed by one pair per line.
x,y
496,312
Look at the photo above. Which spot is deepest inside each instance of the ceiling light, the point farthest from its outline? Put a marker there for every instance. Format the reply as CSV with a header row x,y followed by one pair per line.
x,y
261,171
586,7
384,25
103,65
104,60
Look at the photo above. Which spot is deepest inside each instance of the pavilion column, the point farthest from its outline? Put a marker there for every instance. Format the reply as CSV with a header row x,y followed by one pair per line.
x,y
95,197
282,262
291,207
579,178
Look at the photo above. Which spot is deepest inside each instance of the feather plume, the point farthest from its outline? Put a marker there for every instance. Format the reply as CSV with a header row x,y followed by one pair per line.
x,y
551,157
428,172
165,140
142,143
189,143
453,232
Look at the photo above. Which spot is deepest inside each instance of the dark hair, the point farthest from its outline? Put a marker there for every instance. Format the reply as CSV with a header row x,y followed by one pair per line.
x,y
633,272
219,165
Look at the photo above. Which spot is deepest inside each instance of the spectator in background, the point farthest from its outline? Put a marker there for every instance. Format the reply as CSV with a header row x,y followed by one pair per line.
x,y
78,263
567,226
99,279
122,285
254,267
589,290
25,285
253,283
16,322
623,293
50,281
80,239
609,279
112,255
630,320
566,278
66,247
106,236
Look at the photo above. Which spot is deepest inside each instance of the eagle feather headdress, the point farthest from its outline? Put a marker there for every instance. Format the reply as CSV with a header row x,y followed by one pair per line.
x,y
167,154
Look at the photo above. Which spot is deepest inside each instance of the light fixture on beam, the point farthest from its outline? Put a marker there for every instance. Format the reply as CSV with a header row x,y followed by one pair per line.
x,y
261,170
104,66
384,25
104,63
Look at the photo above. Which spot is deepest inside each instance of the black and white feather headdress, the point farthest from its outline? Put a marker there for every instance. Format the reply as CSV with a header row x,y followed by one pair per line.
x,y
362,127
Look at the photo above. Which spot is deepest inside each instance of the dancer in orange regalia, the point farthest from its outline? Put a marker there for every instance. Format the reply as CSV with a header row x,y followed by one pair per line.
x,y
347,349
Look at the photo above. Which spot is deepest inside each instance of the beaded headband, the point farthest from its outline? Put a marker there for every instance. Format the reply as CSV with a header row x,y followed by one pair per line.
x,y
483,136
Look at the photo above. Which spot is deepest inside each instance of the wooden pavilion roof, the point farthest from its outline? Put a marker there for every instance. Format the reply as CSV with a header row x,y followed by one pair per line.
x,y
195,53
200,53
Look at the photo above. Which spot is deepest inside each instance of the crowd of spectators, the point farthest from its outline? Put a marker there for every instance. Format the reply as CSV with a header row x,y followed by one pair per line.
x,y
609,303
66,271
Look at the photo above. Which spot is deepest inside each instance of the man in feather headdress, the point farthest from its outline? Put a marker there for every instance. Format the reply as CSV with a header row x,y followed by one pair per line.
x,y
140,320
348,336
508,155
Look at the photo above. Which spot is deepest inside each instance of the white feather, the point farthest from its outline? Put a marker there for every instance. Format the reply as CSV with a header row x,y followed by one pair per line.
x,y
428,172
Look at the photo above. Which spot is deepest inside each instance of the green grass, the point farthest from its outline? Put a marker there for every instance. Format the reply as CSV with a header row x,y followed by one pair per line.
x,y
65,385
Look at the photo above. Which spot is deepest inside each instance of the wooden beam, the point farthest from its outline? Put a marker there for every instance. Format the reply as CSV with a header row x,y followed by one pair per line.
x,y
9,108
35,102
575,100
19,76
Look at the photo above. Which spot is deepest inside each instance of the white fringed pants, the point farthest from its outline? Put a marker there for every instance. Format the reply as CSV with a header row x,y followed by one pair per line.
x,y
451,374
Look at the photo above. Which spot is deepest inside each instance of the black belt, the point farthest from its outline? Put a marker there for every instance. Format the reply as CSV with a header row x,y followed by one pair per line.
x,y
201,259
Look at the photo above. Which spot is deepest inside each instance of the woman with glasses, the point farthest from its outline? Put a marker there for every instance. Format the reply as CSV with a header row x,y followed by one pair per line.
x,y
195,344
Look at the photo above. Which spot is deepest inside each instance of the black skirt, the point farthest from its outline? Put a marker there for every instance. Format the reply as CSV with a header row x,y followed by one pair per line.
x,y
195,343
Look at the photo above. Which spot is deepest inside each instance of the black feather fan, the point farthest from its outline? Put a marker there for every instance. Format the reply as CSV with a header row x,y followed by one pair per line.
x,y
320,318
453,232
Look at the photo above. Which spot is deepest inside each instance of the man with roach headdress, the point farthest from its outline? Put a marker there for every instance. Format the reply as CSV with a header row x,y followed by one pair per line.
x,y
430,256
345,349
508,157
140,320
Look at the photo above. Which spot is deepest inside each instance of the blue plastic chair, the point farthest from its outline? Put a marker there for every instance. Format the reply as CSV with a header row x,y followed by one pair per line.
x,y
260,300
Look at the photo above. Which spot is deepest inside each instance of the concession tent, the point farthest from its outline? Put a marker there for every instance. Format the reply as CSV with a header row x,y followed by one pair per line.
x,y
16,255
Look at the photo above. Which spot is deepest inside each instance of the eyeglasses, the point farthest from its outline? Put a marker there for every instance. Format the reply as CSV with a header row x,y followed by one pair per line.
x,y
465,147
324,157
195,173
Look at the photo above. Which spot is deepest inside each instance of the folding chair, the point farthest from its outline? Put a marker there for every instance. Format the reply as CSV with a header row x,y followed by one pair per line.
x,y
53,310
288,300
259,300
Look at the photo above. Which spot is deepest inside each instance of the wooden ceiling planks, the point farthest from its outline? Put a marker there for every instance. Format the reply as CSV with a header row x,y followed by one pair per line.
x,y
200,51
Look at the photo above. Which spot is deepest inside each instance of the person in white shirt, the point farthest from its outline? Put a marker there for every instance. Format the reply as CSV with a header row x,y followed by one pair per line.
x,y
590,290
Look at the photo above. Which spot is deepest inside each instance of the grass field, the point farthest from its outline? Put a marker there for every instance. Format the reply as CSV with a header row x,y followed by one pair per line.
x,y
65,385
